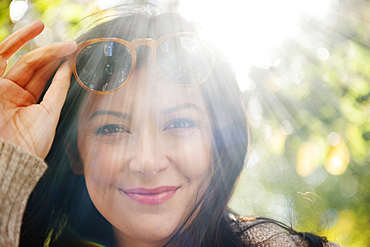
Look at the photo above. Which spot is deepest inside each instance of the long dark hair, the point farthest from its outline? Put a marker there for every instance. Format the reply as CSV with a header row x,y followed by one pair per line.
x,y
60,212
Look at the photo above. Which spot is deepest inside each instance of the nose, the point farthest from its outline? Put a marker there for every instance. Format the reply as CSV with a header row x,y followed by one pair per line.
x,y
148,157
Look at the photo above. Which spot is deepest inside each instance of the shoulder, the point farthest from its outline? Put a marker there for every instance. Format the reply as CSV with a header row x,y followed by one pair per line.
x,y
257,231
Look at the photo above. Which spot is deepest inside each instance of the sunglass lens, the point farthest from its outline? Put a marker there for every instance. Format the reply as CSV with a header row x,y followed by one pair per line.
x,y
104,66
184,60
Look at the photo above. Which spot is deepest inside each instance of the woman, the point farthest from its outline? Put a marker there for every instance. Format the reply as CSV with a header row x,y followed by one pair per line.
x,y
153,129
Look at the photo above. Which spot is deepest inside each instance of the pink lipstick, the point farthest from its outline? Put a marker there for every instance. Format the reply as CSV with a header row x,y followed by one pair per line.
x,y
151,196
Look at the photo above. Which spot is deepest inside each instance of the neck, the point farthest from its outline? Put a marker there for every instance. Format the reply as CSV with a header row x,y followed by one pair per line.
x,y
122,240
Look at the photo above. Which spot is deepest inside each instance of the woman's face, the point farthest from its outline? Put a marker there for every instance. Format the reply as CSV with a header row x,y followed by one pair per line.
x,y
147,155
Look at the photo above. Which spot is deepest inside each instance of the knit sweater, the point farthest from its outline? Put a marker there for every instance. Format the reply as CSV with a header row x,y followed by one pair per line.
x,y
20,171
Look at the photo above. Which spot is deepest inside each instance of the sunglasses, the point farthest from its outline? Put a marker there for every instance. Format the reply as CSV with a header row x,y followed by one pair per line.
x,y
104,65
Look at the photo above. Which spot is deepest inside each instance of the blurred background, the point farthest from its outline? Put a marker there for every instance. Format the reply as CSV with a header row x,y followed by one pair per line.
x,y
304,69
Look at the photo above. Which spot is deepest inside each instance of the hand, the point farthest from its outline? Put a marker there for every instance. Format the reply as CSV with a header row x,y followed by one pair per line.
x,y
23,121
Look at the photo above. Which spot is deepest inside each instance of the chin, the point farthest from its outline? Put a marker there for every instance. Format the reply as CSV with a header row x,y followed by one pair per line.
x,y
159,233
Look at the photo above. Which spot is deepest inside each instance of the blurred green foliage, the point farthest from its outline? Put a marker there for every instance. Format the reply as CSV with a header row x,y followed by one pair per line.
x,y
314,119
310,116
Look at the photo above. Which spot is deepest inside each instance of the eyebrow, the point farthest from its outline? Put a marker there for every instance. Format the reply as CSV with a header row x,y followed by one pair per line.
x,y
113,113
181,107
127,116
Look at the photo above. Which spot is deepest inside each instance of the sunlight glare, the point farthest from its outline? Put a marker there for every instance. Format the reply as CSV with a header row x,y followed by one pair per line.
x,y
245,31
104,4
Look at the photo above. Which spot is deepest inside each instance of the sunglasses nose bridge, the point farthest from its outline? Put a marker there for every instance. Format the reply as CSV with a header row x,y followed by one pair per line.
x,y
140,42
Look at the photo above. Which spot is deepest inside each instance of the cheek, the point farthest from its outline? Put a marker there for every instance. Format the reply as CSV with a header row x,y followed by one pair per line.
x,y
102,167
195,156
102,163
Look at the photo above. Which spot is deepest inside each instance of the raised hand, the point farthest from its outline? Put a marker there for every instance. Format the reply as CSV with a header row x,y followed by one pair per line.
x,y
23,121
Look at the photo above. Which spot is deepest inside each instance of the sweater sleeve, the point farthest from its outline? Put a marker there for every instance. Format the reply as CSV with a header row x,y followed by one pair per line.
x,y
19,174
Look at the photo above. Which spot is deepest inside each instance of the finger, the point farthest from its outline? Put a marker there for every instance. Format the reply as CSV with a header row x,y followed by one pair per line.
x,y
15,41
29,64
55,96
37,83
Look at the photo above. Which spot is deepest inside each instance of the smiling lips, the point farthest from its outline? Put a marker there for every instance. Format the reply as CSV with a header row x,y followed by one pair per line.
x,y
151,196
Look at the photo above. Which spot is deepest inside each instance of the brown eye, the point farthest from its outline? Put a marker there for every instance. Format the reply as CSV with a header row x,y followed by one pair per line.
x,y
111,129
181,123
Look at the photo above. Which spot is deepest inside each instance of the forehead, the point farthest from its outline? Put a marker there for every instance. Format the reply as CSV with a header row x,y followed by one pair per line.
x,y
146,90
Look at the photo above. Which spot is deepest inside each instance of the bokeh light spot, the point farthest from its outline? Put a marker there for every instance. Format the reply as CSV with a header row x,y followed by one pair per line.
x,y
45,37
338,160
287,127
333,139
307,159
322,54
329,218
17,10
